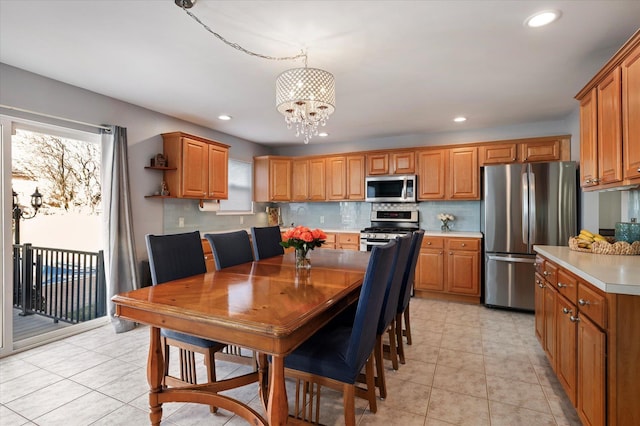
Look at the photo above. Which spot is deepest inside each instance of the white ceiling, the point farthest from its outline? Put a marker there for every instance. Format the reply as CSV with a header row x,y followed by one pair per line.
x,y
401,67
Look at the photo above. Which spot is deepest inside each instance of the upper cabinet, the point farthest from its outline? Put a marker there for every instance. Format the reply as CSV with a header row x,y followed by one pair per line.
x,y
631,112
345,177
271,179
308,179
609,124
391,163
449,174
553,148
201,166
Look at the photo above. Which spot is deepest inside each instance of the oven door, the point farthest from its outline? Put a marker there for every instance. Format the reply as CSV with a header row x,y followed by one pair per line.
x,y
366,244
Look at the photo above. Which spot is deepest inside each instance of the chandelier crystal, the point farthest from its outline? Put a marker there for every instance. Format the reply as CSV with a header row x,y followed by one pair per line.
x,y
306,97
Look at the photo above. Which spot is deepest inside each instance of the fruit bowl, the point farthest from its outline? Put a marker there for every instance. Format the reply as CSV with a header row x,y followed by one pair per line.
x,y
588,242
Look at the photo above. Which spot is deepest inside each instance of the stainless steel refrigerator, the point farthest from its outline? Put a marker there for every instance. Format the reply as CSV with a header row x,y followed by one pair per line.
x,y
523,205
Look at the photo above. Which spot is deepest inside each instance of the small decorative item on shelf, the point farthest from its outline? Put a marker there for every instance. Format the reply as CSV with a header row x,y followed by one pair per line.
x,y
303,239
445,218
159,161
164,190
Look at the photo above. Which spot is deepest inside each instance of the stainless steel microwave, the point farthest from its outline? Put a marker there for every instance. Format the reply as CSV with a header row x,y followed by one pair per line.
x,y
391,189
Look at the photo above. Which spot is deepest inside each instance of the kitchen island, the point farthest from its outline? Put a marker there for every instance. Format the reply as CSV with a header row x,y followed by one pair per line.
x,y
587,320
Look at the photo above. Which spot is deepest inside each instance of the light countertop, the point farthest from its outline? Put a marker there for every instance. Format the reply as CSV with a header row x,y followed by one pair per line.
x,y
610,273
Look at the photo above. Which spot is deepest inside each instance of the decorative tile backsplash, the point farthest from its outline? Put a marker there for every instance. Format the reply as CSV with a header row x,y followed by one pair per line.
x,y
346,215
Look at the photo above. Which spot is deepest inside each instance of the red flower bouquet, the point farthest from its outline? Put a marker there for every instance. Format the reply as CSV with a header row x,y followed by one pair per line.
x,y
303,239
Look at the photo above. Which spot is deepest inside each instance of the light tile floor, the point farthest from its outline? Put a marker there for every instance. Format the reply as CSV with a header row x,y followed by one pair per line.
x,y
468,365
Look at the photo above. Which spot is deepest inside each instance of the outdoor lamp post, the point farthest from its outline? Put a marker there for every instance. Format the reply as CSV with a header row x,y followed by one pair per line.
x,y
18,213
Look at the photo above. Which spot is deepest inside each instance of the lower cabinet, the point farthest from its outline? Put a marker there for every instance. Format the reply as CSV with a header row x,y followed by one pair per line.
x,y
449,268
591,340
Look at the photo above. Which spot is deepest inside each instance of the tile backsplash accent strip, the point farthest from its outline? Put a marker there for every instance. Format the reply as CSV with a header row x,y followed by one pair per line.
x,y
346,215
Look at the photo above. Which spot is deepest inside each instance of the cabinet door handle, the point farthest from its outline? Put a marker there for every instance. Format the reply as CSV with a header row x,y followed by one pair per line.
x,y
545,273
638,170
428,243
588,181
540,284
450,253
464,245
441,253
566,310
583,302
596,180
574,319
560,285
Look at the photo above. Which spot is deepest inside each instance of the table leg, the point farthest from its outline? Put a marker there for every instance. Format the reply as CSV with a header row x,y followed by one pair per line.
x,y
277,407
155,373
263,378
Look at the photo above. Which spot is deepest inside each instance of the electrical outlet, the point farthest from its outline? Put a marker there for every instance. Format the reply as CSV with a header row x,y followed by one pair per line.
x,y
181,222
241,220
321,219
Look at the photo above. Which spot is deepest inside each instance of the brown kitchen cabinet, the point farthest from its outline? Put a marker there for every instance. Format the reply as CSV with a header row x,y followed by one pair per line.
x,y
595,345
308,179
498,153
631,108
530,150
449,268
391,163
201,166
432,171
271,179
345,177
464,174
348,241
609,128
449,174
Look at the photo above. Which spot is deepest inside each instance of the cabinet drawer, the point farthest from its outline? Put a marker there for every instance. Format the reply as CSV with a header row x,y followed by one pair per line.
x,y
567,285
592,304
432,242
550,273
331,239
471,244
348,238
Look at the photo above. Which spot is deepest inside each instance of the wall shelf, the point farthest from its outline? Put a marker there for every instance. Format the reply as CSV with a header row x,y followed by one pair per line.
x,y
160,168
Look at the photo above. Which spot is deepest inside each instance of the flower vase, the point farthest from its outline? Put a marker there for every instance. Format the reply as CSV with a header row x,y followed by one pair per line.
x,y
302,261
445,226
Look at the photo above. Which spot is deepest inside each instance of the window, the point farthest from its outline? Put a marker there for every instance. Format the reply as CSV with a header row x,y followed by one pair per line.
x,y
240,191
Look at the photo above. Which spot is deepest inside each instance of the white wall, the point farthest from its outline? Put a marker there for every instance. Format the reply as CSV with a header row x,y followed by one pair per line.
x,y
22,89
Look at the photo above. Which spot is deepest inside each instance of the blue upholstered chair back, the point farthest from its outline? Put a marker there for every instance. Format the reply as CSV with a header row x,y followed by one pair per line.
x,y
363,334
392,294
266,242
175,256
230,248
409,275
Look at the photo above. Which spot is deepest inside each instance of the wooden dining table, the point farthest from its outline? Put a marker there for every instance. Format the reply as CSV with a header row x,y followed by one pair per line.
x,y
268,306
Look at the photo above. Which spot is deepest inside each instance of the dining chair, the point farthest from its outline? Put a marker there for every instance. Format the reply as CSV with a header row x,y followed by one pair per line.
x,y
266,242
172,257
230,249
386,322
405,295
335,355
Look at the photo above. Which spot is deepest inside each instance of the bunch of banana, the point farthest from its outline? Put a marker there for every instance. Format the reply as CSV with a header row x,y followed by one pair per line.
x,y
586,238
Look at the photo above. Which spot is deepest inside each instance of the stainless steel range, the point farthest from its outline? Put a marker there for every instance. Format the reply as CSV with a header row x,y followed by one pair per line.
x,y
388,221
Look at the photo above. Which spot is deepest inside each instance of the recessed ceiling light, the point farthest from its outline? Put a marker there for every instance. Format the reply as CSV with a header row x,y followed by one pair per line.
x,y
323,134
460,119
543,18
224,117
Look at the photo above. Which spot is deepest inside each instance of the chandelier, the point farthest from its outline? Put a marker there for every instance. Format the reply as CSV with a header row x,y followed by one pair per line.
x,y
305,96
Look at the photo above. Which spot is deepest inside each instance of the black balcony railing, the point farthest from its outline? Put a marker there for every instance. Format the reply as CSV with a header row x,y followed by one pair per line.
x,y
65,285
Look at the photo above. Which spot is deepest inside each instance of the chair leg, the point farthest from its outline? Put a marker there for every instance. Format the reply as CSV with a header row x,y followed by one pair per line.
x,y
210,362
407,324
165,357
399,338
371,386
349,403
379,380
393,353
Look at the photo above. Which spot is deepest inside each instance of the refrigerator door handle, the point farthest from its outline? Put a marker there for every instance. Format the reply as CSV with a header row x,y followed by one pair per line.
x,y
512,259
525,209
532,209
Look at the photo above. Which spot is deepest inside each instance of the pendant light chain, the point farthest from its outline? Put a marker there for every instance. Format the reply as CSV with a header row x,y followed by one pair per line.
x,y
236,46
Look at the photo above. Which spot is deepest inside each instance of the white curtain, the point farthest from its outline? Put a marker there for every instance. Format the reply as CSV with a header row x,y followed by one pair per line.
x,y
119,251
